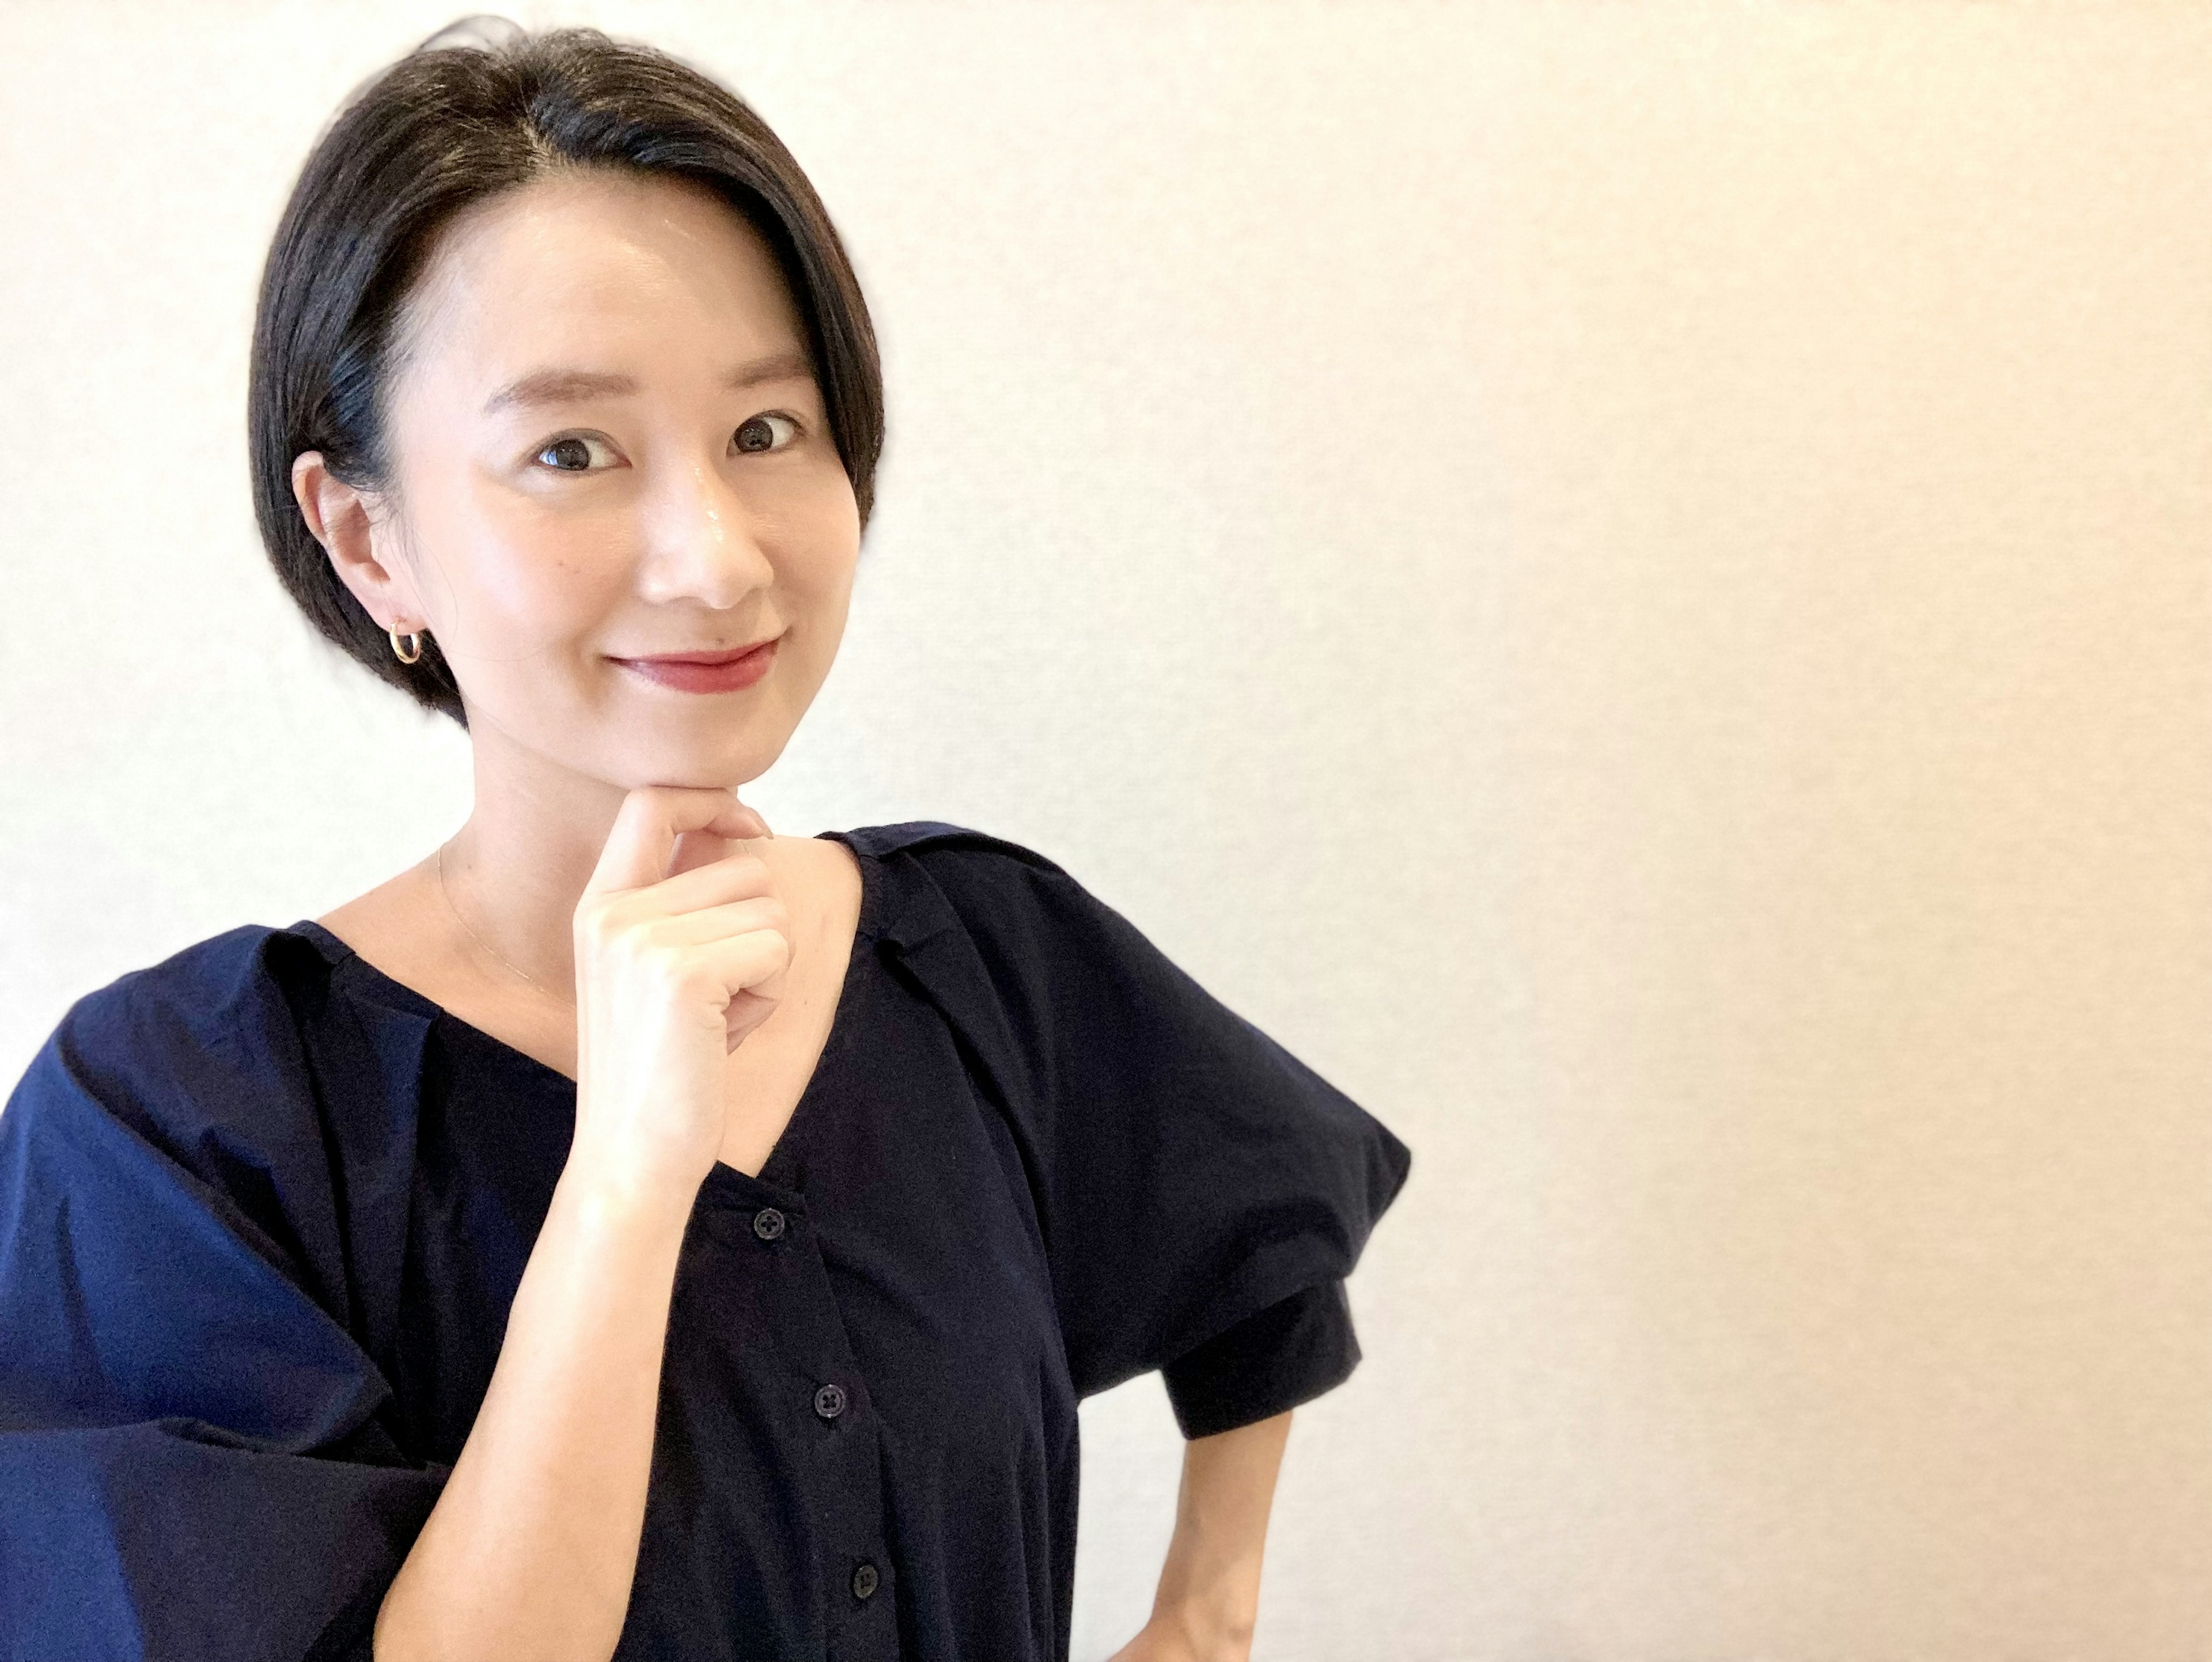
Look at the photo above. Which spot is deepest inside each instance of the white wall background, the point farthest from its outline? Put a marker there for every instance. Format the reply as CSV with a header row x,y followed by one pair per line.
x,y
1631,581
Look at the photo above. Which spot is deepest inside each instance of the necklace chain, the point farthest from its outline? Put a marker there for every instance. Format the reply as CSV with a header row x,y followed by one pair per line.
x,y
448,896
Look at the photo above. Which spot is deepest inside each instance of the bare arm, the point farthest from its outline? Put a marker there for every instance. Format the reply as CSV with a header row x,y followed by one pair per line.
x,y
1209,1591
533,1545
531,1548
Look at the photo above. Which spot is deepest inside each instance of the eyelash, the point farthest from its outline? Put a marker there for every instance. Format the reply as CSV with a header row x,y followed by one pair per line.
x,y
798,428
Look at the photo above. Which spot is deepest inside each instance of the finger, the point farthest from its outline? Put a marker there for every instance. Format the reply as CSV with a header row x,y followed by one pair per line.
x,y
646,828
754,961
733,877
699,924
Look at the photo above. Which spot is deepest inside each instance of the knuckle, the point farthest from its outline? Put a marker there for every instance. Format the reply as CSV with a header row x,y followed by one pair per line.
x,y
627,944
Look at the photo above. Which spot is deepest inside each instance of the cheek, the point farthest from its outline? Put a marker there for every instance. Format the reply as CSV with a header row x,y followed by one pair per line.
x,y
818,594
537,583
819,531
820,577
507,582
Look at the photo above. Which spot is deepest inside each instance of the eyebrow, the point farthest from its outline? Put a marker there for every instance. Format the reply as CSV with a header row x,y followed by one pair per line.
x,y
541,387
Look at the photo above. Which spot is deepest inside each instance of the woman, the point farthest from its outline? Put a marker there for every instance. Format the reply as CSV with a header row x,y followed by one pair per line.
x,y
628,1232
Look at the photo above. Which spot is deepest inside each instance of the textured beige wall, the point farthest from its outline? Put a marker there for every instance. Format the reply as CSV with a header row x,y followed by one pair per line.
x,y
1629,580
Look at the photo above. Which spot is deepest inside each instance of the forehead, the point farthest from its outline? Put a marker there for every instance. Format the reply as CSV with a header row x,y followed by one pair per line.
x,y
600,265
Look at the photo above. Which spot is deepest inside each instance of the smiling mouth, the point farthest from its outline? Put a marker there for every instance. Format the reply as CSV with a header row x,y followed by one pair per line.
x,y
729,656
727,671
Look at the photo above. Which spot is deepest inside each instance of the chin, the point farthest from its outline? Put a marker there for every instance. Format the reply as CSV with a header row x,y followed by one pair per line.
x,y
665,758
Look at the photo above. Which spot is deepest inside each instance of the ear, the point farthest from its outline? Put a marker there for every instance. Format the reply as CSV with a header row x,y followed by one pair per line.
x,y
345,522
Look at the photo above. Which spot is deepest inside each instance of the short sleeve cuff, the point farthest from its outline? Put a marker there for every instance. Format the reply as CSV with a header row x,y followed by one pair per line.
x,y
1268,1363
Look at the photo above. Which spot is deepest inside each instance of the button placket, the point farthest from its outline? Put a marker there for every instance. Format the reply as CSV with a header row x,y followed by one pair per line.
x,y
798,1303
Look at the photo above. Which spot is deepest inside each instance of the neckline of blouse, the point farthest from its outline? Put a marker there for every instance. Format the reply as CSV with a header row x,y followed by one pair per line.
x,y
338,952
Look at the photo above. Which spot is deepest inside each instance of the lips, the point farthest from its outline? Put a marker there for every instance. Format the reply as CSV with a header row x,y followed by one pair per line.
x,y
726,671
730,656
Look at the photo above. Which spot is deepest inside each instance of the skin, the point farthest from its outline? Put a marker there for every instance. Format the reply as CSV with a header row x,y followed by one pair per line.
x,y
610,907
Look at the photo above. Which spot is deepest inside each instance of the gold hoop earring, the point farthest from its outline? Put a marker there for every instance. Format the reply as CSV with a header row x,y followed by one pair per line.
x,y
415,640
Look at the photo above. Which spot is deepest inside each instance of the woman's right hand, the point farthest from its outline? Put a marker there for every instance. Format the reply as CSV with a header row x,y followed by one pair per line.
x,y
672,973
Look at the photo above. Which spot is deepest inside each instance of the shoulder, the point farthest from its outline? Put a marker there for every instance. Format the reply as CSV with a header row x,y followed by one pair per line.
x,y
221,993
188,1129
1005,895
943,844
182,1049
1051,951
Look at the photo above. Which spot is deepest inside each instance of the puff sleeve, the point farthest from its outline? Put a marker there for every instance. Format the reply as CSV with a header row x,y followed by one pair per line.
x,y
1202,1193
1292,1352
191,1463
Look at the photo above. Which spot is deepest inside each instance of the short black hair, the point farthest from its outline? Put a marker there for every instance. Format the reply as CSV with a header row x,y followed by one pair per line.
x,y
481,107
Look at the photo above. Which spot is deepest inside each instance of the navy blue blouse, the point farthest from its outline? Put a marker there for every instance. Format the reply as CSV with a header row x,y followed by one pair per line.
x,y
263,1210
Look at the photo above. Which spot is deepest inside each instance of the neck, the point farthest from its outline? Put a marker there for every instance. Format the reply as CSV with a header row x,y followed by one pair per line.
x,y
516,869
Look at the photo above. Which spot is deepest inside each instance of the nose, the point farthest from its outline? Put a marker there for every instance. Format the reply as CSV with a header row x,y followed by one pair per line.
x,y
703,545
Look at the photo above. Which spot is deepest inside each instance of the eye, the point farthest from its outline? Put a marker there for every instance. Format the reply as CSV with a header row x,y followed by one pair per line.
x,y
771,431
574,451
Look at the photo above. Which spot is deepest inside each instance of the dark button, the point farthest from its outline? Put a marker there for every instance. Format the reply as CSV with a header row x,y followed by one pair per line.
x,y
863,1579
768,1223
829,1401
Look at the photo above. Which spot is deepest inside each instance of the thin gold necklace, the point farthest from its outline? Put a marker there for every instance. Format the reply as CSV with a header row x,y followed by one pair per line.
x,y
448,895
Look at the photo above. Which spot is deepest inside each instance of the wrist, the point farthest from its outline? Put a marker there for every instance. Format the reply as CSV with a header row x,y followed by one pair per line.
x,y
1214,1624
602,1199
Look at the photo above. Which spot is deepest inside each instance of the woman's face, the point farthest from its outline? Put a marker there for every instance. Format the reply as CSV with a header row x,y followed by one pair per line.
x,y
608,446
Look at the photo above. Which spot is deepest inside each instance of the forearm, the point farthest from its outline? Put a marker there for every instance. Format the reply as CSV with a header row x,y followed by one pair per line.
x,y
1209,1591
533,1546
